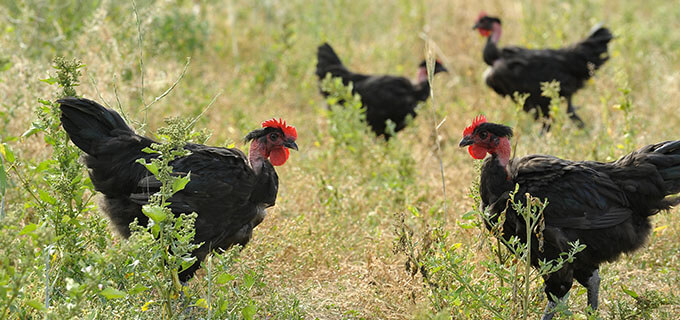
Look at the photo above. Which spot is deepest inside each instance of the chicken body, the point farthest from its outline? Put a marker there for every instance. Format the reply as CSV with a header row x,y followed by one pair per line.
x,y
605,206
515,69
385,97
227,190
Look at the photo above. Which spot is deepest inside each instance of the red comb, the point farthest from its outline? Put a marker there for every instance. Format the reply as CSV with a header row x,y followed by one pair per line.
x,y
482,14
289,131
477,121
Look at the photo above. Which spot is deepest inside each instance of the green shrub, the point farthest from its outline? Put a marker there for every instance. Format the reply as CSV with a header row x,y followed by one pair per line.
x,y
505,287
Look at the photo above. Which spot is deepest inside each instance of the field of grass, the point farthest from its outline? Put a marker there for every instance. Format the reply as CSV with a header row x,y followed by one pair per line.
x,y
356,217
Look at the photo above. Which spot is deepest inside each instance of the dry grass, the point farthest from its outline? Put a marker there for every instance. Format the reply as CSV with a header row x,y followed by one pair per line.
x,y
338,260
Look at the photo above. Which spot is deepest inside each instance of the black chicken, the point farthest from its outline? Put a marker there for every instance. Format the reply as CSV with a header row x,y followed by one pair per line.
x,y
605,206
384,97
515,69
228,191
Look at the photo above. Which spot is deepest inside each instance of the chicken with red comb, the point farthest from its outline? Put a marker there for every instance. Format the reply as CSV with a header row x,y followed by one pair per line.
x,y
604,205
227,190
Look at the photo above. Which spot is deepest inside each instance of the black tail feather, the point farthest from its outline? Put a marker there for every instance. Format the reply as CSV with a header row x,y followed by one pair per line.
x,y
89,124
328,61
669,167
111,146
594,47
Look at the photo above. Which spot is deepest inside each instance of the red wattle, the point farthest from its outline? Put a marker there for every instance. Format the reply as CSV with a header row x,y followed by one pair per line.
x,y
477,152
484,32
278,156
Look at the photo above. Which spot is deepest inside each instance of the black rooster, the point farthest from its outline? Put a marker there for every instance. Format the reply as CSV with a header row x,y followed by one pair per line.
x,y
384,97
515,69
605,206
228,191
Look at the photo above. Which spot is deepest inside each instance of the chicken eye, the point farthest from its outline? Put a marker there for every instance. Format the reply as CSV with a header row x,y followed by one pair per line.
x,y
483,135
274,136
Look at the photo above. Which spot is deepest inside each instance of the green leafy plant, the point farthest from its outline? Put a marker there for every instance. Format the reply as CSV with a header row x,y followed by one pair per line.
x,y
390,168
347,116
173,235
62,234
645,305
552,90
626,106
507,287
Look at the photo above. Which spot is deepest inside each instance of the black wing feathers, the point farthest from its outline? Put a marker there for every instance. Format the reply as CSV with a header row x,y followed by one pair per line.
x,y
579,197
387,98
221,185
596,195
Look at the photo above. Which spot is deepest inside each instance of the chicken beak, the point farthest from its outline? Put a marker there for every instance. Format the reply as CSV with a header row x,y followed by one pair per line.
x,y
475,26
466,141
291,145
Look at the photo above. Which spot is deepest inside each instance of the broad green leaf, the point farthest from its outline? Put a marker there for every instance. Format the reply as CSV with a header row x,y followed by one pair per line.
x,y
28,229
201,303
111,293
44,196
49,80
180,183
7,152
43,165
149,166
249,312
469,215
36,305
149,150
155,229
248,280
187,262
5,65
156,213
465,226
138,288
31,131
629,292
224,278
50,140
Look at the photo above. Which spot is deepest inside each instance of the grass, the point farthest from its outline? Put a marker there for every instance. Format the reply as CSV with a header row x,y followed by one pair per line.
x,y
326,250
